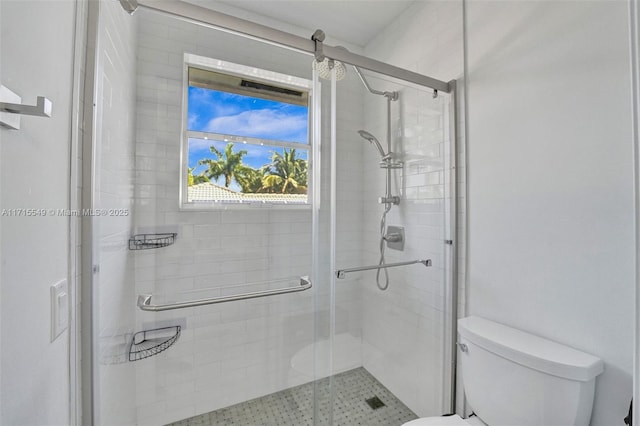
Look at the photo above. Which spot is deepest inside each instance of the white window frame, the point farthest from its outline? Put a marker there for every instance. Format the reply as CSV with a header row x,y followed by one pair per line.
x,y
269,77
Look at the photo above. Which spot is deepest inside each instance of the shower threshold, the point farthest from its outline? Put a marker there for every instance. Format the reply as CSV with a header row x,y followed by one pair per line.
x,y
294,406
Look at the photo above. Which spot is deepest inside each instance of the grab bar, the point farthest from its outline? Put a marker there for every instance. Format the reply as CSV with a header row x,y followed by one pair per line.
x,y
340,273
144,300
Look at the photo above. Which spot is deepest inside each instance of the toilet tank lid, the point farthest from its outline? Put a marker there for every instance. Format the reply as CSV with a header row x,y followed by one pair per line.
x,y
530,351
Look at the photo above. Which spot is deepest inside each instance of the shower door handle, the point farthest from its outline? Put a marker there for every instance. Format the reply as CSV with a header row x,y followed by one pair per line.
x,y
340,273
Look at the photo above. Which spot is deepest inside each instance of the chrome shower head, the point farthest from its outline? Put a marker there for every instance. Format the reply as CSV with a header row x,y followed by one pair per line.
x,y
368,136
324,69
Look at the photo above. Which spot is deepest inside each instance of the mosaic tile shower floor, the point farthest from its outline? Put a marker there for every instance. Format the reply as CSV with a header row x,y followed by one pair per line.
x,y
294,406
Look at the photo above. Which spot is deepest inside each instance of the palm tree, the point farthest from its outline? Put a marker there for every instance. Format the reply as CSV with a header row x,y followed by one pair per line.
x,y
286,174
195,179
250,179
228,164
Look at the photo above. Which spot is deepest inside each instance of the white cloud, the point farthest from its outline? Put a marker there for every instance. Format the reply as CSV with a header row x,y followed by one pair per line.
x,y
212,102
192,120
200,144
262,123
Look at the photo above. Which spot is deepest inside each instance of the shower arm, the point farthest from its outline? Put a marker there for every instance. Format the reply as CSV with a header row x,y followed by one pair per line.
x,y
393,96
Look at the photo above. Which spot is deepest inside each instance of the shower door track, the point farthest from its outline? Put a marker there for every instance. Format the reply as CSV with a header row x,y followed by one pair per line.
x,y
221,21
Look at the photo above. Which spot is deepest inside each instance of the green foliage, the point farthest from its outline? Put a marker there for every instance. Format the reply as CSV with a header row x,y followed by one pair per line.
x,y
250,179
227,164
194,180
286,174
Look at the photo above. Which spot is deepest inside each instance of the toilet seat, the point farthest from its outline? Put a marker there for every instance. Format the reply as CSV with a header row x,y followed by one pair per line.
x,y
454,420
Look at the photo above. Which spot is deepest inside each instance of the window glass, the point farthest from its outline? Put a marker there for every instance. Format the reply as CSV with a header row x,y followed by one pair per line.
x,y
232,114
246,142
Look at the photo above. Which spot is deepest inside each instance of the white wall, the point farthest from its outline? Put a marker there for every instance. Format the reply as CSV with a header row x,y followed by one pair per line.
x,y
404,328
550,179
37,60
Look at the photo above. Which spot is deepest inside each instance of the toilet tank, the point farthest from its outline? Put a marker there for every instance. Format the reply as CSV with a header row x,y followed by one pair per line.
x,y
515,378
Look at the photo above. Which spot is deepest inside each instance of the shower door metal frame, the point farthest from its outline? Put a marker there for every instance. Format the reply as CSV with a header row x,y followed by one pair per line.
x,y
454,171
634,26
204,16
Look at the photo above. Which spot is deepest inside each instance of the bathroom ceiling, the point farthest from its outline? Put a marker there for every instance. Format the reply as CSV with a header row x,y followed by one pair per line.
x,y
353,21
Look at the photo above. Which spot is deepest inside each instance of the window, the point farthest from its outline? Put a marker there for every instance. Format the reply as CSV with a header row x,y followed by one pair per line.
x,y
246,137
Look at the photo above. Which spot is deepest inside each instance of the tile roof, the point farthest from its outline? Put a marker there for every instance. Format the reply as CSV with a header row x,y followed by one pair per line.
x,y
208,192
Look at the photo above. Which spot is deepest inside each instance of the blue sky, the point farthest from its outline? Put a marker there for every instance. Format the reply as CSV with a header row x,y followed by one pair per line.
x,y
231,114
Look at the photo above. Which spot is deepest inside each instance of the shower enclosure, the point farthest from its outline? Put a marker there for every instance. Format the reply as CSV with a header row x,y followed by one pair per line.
x,y
272,293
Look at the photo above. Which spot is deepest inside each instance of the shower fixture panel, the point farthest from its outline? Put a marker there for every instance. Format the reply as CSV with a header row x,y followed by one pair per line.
x,y
395,237
388,161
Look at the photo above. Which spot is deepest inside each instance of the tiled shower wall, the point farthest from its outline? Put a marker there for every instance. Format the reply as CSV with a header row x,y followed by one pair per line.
x,y
426,38
231,352
114,150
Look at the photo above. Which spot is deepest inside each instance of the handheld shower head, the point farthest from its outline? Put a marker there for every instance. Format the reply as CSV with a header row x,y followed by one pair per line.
x,y
368,136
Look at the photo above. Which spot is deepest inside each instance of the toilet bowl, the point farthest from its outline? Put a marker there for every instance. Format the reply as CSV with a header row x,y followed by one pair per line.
x,y
538,381
454,420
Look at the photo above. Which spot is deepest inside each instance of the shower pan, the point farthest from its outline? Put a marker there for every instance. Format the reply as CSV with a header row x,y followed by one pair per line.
x,y
263,305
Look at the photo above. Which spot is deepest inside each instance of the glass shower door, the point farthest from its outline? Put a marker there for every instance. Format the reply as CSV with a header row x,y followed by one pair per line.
x,y
248,359
341,352
390,326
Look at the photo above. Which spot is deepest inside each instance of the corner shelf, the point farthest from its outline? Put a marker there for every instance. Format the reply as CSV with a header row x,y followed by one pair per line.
x,y
148,343
151,241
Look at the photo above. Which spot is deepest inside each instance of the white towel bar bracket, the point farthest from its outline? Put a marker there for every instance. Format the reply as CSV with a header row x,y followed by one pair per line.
x,y
11,108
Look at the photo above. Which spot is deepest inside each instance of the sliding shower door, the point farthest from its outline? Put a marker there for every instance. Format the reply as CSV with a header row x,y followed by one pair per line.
x,y
390,326
205,143
238,273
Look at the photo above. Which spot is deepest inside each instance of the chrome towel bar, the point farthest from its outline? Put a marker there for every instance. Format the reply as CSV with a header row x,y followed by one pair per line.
x,y
144,300
340,273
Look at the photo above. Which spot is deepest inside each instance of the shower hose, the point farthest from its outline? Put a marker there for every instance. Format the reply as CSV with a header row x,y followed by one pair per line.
x,y
383,226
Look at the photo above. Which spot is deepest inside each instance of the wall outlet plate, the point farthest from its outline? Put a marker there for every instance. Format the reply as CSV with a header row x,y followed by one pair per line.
x,y
59,308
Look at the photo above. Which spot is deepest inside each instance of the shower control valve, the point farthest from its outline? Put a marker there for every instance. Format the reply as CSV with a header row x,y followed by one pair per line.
x,y
393,237
389,200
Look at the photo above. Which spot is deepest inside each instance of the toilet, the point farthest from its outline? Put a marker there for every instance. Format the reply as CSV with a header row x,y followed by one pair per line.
x,y
515,378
